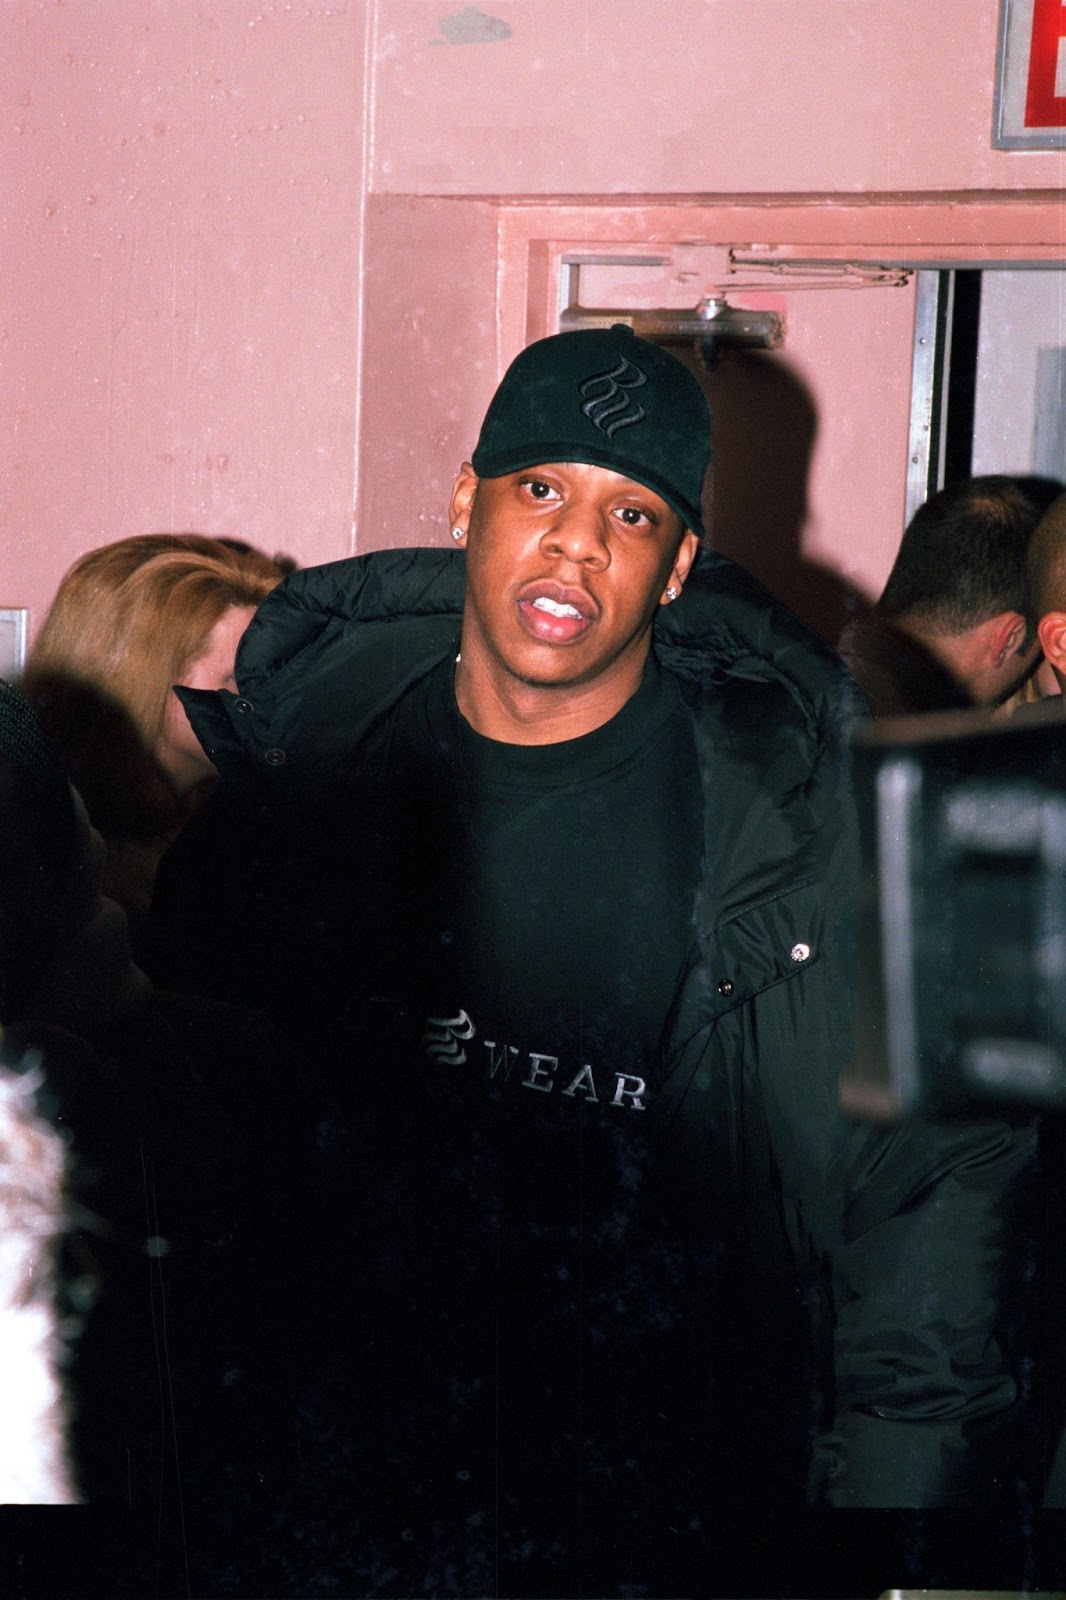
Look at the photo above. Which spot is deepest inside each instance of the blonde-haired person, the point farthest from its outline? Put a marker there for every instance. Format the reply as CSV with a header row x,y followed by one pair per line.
x,y
129,621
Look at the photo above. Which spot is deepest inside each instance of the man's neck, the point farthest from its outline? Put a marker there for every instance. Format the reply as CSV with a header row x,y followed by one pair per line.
x,y
953,653
513,712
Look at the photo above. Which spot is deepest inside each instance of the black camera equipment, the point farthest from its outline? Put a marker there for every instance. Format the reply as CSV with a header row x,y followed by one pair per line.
x,y
962,918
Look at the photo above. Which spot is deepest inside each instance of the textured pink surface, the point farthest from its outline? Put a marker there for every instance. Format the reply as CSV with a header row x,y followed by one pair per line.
x,y
179,260
698,97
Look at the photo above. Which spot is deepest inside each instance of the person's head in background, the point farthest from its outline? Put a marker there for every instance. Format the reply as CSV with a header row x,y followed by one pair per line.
x,y
129,621
1046,582
958,588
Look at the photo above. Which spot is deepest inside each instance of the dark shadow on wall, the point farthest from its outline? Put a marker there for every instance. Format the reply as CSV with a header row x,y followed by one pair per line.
x,y
764,425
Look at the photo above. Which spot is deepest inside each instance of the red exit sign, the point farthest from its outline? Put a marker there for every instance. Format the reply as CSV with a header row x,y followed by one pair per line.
x,y
1031,76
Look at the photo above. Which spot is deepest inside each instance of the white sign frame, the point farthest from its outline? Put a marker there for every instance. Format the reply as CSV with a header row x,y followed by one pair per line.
x,y
1009,131
12,642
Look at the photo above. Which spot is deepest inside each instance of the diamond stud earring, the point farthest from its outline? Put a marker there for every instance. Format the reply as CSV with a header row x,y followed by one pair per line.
x,y
457,533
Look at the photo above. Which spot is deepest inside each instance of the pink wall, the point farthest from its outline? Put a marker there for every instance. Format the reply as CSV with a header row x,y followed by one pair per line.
x,y
430,360
694,97
259,272
179,272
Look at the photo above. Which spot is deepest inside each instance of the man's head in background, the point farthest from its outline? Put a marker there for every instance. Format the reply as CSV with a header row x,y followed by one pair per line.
x,y
958,585
1046,585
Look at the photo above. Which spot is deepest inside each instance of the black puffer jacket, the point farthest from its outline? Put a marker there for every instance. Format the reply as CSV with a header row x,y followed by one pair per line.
x,y
888,1249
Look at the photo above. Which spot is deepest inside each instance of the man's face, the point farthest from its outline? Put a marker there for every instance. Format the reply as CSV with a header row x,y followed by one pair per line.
x,y
566,566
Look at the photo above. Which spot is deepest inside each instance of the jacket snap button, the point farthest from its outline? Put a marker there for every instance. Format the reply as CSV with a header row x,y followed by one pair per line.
x,y
275,758
725,988
800,952
242,705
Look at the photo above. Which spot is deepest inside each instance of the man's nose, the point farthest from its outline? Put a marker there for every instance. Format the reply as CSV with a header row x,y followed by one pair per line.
x,y
579,534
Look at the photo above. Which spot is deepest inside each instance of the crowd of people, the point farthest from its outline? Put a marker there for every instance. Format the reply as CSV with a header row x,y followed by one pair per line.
x,y
440,966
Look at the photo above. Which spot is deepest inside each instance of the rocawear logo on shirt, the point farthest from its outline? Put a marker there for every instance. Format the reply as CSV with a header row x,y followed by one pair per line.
x,y
445,1039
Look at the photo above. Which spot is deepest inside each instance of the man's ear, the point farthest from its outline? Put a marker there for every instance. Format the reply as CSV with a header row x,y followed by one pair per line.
x,y
686,555
1007,636
1051,631
462,501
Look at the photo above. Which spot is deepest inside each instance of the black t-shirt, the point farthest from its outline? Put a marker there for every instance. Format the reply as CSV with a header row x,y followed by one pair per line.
x,y
564,904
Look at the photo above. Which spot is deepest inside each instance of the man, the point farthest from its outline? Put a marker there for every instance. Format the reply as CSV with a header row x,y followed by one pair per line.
x,y
563,893
950,629
1046,585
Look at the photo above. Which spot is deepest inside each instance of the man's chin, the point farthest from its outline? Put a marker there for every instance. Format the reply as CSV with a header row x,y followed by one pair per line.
x,y
563,676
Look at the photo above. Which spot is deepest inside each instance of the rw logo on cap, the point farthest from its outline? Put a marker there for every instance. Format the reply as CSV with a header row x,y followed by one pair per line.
x,y
609,404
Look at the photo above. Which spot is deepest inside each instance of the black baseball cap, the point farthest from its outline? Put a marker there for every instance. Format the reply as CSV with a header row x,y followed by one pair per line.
x,y
608,398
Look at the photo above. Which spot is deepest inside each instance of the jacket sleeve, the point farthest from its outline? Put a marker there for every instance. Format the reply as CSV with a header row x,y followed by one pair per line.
x,y
910,1242
929,1286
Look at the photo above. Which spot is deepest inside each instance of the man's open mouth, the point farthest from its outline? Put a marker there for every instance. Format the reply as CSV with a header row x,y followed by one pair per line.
x,y
543,603
554,615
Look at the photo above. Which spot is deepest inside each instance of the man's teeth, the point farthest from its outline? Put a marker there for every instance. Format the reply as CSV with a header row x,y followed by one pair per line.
x,y
542,603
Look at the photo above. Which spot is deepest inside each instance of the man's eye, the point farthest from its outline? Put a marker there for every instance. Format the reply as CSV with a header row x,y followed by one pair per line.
x,y
538,488
632,516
